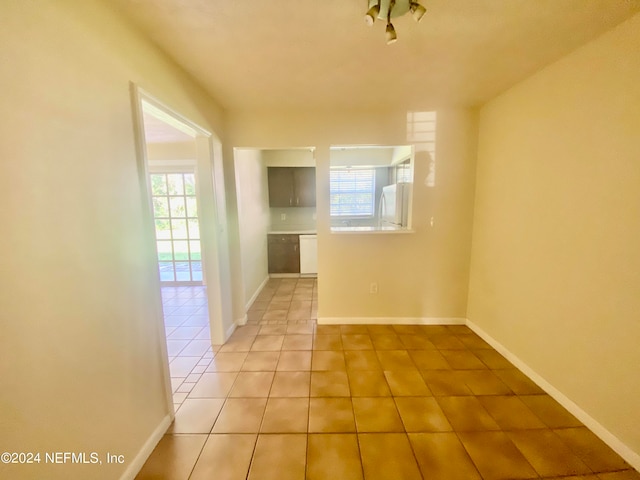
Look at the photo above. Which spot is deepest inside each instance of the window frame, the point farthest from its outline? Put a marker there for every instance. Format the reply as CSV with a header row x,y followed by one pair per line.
x,y
353,214
196,276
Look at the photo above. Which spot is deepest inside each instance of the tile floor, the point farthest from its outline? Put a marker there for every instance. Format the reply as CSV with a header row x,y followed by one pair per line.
x,y
285,398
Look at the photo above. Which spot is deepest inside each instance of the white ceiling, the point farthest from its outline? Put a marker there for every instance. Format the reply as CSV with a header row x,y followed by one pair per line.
x,y
157,130
319,54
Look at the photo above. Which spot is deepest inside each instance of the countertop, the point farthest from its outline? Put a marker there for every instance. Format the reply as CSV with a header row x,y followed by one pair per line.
x,y
280,230
348,230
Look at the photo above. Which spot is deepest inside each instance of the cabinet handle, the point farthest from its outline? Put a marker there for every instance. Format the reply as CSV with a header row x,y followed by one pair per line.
x,y
295,248
290,201
297,201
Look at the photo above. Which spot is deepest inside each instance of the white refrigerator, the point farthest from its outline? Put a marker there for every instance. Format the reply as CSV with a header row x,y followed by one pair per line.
x,y
394,205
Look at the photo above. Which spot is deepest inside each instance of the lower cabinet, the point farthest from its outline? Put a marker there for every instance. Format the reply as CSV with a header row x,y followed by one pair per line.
x,y
284,253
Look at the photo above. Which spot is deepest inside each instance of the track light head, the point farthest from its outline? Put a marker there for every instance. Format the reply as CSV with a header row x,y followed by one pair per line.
x,y
372,14
417,11
390,34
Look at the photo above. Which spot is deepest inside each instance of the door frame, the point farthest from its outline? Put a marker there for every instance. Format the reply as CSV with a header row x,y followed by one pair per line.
x,y
211,220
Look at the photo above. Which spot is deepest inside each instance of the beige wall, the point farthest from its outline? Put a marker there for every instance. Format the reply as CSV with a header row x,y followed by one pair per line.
x,y
253,211
80,332
299,157
420,275
349,157
555,271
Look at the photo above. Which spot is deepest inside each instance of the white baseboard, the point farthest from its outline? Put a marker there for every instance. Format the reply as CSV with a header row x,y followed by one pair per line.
x,y
255,295
284,275
138,461
592,424
242,321
230,331
293,275
391,321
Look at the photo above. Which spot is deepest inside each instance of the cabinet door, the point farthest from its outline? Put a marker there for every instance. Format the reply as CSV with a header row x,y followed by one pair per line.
x,y
304,180
280,187
284,254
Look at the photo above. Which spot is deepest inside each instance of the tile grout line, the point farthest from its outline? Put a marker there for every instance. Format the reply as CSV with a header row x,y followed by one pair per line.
x,y
413,361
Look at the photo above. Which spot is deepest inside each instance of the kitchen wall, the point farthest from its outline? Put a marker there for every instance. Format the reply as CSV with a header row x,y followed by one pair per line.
x,y
555,271
421,276
253,210
289,157
295,218
81,326
363,156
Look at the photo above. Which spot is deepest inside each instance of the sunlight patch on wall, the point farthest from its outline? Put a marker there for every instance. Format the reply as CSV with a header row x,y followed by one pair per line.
x,y
421,132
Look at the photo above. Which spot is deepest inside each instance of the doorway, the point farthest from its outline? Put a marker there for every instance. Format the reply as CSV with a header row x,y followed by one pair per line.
x,y
176,169
276,195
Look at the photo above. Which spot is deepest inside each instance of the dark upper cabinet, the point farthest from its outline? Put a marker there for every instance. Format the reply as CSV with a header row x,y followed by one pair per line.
x,y
280,187
292,186
304,186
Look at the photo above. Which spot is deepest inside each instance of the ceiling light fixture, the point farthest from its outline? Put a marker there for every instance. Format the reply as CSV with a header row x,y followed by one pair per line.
x,y
388,9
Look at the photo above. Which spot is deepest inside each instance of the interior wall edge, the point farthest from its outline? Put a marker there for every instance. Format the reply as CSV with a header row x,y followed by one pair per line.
x,y
632,457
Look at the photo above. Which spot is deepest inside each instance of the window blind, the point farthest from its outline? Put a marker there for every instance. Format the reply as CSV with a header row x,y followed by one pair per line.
x,y
352,192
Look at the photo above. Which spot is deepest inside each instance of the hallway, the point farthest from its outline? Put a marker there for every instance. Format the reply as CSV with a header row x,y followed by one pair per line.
x,y
285,398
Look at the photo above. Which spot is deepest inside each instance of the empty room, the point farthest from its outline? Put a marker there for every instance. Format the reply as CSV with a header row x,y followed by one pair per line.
x,y
354,239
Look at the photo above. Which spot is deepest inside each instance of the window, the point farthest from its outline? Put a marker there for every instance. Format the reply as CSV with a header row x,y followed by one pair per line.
x,y
352,192
175,213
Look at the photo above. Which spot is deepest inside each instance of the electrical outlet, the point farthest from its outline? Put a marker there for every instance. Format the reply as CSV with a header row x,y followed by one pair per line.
x,y
283,216
373,288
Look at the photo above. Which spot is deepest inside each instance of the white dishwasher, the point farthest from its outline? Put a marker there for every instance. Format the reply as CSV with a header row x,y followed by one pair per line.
x,y
308,254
